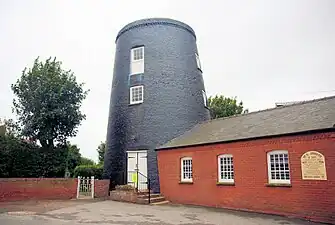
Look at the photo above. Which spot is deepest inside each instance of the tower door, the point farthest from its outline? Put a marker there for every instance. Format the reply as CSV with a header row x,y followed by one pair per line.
x,y
137,161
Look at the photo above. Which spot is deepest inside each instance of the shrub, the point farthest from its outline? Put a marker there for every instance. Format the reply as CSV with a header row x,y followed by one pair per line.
x,y
19,158
88,171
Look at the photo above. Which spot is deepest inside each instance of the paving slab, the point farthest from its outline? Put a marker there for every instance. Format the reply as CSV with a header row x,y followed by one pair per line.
x,y
118,213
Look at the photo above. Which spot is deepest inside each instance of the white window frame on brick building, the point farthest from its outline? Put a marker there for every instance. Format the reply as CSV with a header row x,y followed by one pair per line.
x,y
198,61
278,167
137,60
225,168
186,169
136,94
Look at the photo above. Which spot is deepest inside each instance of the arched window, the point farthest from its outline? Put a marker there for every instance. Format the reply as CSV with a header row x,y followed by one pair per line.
x,y
278,167
186,169
225,168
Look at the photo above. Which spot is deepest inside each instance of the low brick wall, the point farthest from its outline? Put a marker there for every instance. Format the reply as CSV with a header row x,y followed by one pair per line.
x,y
101,188
20,189
16,189
123,196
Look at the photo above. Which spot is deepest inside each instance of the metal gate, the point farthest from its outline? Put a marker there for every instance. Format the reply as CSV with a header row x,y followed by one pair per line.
x,y
85,188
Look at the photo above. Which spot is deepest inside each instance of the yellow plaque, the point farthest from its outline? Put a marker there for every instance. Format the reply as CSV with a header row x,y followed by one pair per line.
x,y
313,166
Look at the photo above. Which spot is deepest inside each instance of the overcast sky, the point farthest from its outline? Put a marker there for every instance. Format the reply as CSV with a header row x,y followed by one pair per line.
x,y
260,51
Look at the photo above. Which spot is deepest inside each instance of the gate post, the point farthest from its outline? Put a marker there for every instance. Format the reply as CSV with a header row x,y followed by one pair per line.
x,y
78,187
92,186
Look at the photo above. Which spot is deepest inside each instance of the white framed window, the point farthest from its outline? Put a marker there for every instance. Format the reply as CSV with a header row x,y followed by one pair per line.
x,y
204,96
226,168
198,61
136,94
278,167
137,54
186,169
137,60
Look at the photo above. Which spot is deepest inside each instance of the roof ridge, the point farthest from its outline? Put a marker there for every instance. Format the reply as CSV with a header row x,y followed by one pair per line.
x,y
270,109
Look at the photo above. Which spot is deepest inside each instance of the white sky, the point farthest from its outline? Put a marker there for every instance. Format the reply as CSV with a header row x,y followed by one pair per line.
x,y
260,51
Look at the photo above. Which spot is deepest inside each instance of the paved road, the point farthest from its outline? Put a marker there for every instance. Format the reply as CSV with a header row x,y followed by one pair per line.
x,y
117,213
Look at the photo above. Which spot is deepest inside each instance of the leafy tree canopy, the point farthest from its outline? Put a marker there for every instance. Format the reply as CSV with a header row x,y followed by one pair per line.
x,y
88,171
101,152
221,106
47,102
86,161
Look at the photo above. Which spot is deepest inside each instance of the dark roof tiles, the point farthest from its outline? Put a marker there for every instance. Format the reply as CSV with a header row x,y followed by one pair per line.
x,y
302,116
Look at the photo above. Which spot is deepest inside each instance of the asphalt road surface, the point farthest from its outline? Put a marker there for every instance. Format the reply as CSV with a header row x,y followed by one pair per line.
x,y
117,213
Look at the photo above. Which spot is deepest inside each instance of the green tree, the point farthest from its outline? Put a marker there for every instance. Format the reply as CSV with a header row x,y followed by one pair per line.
x,y
73,157
47,102
101,152
11,128
2,129
88,171
221,106
86,161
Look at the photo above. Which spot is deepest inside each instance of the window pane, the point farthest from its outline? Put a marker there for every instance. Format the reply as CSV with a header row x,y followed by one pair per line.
x,y
287,175
282,175
138,53
136,94
187,168
279,169
226,168
286,166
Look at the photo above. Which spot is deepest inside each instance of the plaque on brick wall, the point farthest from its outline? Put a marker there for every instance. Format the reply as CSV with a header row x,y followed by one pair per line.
x,y
313,166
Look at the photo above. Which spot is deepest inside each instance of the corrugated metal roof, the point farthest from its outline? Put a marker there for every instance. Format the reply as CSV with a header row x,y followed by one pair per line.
x,y
303,116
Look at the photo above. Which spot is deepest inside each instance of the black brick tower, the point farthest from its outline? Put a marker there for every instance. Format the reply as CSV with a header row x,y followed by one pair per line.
x,y
173,92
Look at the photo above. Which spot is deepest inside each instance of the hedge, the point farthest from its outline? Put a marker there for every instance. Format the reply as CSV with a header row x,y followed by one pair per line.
x,y
89,171
19,158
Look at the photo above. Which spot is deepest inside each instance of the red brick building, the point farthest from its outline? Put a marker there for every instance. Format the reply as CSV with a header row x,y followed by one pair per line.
x,y
278,161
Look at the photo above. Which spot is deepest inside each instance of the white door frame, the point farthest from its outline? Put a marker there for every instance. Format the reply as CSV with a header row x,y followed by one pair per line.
x,y
138,151
140,178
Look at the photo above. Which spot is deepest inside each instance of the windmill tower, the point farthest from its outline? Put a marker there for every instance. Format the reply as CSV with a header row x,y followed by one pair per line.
x,y
157,94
